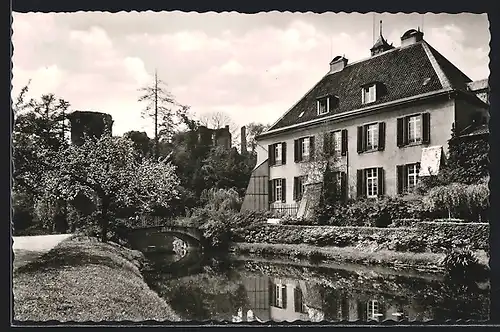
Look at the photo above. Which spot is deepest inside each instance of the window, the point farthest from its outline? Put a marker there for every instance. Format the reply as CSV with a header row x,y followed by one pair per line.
x,y
323,106
371,137
371,182
337,142
412,175
304,149
413,129
338,176
407,177
373,310
326,104
369,94
298,302
299,187
278,296
277,154
278,190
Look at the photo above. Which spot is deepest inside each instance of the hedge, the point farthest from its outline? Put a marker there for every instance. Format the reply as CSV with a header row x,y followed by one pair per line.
x,y
316,235
424,237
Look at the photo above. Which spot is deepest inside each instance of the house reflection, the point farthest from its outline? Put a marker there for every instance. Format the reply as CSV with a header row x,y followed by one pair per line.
x,y
281,299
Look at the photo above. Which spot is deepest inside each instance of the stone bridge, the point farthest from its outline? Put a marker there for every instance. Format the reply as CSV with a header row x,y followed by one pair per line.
x,y
159,238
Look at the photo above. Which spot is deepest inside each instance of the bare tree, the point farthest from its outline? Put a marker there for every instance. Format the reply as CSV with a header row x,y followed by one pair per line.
x,y
162,107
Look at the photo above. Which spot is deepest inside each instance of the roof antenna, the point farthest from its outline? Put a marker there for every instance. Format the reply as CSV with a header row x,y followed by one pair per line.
x,y
380,28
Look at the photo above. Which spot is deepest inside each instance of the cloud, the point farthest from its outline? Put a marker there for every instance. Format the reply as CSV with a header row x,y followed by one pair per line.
x,y
449,40
252,67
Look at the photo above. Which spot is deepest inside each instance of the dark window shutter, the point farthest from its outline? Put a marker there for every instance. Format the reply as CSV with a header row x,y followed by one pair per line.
x,y
295,188
270,150
283,296
283,153
270,191
426,128
283,190
327,146
311,148
296,150
344,142
381,136
343,186
297,299
360,179
400,132
418,166
381,181
272,294
400,177
360,139
406,122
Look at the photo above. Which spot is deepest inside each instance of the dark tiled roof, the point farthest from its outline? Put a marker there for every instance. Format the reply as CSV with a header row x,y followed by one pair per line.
x,y
456,77
402,71
479,130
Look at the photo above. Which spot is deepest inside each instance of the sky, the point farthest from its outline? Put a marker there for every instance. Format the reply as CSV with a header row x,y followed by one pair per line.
x,y
252,67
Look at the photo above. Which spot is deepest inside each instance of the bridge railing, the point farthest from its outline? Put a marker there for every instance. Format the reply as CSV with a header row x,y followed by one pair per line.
x,y
147,221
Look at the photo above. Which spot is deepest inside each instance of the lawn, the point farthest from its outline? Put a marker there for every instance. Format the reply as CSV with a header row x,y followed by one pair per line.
x,y
82,279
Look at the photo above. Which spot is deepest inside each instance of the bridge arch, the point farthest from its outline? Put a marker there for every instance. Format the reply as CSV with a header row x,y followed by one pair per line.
x,y
159,238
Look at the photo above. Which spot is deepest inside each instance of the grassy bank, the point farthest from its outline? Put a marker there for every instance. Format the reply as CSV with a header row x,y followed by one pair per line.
x,y
84,280
430,262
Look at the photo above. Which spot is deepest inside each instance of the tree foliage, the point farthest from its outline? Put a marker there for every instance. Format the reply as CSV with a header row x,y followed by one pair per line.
x,y
108,170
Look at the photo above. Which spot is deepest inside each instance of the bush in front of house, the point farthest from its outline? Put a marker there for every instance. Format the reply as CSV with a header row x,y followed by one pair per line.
x,y
380,212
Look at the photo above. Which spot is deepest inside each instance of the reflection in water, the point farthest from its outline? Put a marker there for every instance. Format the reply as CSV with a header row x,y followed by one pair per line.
x,y
261,292
180,248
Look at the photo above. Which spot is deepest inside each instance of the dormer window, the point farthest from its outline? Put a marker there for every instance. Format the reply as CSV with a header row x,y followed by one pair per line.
x,y
323,106
369,94
326,104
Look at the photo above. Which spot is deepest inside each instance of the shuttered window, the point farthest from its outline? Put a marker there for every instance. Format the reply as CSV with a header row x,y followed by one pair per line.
x,y
413,129
370,182
335,143
277,154
371,137
298,187
304,149
407,177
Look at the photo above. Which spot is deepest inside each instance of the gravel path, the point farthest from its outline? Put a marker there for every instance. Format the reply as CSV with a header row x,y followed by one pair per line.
x,y
28,248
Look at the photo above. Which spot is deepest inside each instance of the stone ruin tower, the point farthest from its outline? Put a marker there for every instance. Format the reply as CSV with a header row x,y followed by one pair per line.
x,y
89,124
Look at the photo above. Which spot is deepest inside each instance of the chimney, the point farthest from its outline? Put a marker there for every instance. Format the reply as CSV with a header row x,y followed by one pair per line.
x,y
243,140
337,64
411,36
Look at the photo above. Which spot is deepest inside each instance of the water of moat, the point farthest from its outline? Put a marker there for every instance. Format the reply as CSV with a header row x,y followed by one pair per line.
x,y
238,289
